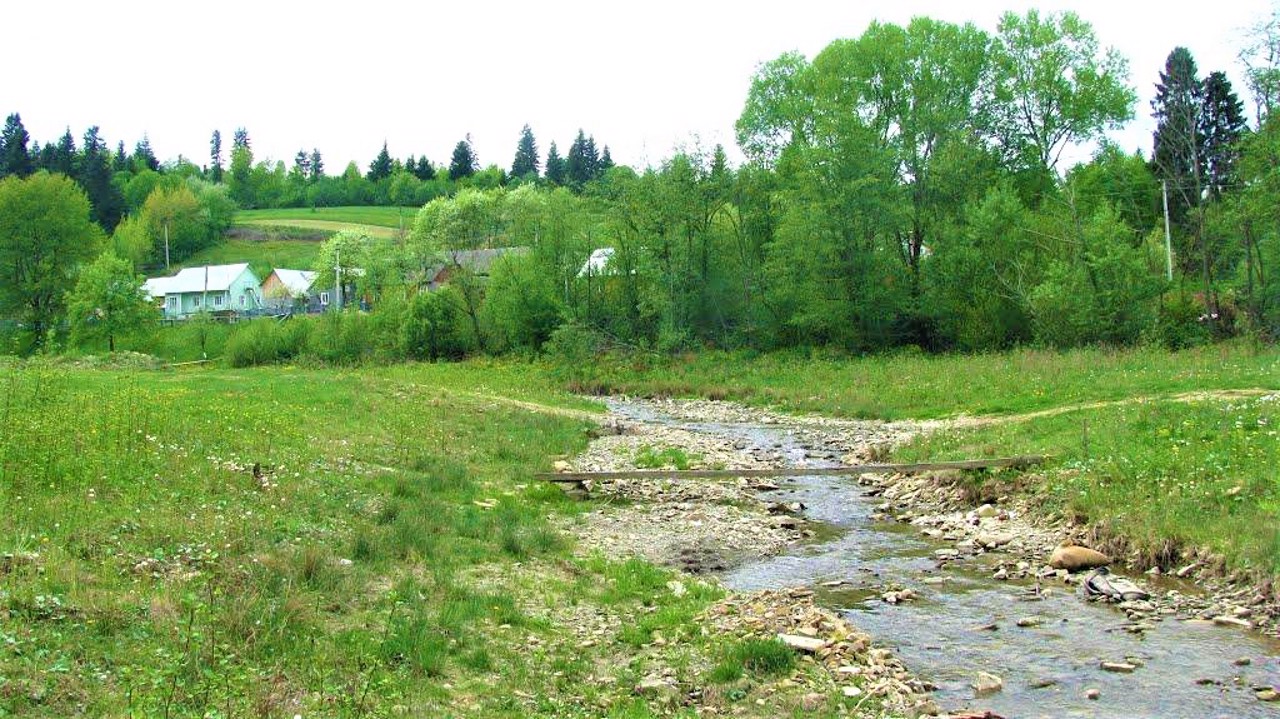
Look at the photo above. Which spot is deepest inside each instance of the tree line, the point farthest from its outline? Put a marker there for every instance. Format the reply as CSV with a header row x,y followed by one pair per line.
x,y
901,188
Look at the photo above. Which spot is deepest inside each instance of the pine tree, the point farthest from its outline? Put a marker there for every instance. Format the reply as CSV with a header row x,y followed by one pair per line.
x,y
526,160
577,165
591,158
380,168
120,163
464,163
95,178
144,157
240,139
1176,108
424,171
14,158
555,173
64,156
317,165
302,165
606,161
1222,124
215,157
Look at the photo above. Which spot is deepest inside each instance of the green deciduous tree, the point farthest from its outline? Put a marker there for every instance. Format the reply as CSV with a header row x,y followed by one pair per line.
x,y
107,301
174,220
1054,86
46,233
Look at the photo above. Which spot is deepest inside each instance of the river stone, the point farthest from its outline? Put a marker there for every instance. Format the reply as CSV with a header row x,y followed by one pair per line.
x,y
1243,662
801,643
1092,694
1043,683
1268,695
991,540
987,684
947,553
1030,621
987,510
1118,667
1225,621
1074,558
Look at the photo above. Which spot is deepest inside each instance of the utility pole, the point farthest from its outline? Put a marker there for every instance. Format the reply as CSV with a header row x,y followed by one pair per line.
x,y
337,278
1168,238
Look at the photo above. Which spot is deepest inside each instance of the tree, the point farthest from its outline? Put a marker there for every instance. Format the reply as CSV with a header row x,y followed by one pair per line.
x,y
525,164
143,156
108,300
380,168
132,241
1222,124
239,180
423,170
1177,153
555,166
174,220
14,158
302,165
582,164
606,161
64,156
1054,86
96,178
464,162
46,232
215,157
316,165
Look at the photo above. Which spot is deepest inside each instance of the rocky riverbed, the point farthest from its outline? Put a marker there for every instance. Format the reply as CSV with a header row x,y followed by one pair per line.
x,y
712,527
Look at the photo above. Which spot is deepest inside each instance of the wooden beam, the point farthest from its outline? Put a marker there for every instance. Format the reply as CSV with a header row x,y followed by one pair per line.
x,y
1023,461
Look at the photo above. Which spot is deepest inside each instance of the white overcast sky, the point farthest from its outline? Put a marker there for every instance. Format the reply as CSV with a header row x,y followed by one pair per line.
x,y
642,77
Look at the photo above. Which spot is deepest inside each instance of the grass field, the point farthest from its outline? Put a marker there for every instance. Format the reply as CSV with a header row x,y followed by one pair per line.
x,y
928,386
1137,454
281,542
262,255
385,217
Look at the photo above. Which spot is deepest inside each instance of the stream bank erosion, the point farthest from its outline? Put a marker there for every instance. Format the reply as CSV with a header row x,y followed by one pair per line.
x,y
913,543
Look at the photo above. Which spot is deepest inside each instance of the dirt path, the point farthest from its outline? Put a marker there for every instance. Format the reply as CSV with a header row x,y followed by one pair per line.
x,y
1197,396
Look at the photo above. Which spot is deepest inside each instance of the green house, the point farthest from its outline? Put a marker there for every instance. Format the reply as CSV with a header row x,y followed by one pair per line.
x,y
217,289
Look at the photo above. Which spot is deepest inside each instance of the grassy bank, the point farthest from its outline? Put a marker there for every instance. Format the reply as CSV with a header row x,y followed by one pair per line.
x,y
926,386
325,543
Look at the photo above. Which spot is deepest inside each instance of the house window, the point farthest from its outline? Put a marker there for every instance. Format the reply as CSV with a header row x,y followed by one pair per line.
x,y
324,298
217,300
242,301
171,303
195,301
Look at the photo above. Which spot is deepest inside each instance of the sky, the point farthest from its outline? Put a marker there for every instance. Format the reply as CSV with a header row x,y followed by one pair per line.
x,y
643,78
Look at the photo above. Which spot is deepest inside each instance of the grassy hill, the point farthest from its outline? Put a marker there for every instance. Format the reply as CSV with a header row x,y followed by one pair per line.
x,y
377,221
291,237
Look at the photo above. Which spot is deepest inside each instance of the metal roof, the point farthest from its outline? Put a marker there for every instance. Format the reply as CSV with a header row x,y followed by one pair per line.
x,y
298,282
597,263
211,278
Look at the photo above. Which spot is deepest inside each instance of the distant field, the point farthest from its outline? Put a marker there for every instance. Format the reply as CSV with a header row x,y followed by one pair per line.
x,y
262,255
335,218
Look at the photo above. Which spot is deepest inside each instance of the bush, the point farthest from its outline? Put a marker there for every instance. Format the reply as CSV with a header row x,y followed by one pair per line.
x,y
431,327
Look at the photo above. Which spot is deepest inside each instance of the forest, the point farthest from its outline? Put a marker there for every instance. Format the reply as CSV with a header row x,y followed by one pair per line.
x,y
901,189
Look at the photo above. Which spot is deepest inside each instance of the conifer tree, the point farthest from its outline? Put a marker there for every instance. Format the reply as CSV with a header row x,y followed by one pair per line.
x,y
14,158
555,173
1176,109
317,165
215,157
1222,124
424,170
526,160
381,166
464,163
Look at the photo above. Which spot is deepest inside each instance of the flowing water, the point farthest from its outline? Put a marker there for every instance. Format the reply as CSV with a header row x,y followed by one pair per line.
x,y
1187,669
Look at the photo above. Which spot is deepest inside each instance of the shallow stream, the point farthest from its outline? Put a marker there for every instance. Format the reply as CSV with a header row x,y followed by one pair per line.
x,y
1187,669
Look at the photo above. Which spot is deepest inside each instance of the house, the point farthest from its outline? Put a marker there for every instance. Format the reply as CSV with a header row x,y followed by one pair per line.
x,y
478,262
217,289
288,290
598,263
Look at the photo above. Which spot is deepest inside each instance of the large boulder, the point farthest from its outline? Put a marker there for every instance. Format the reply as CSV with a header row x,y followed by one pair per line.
x,y
1075,558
